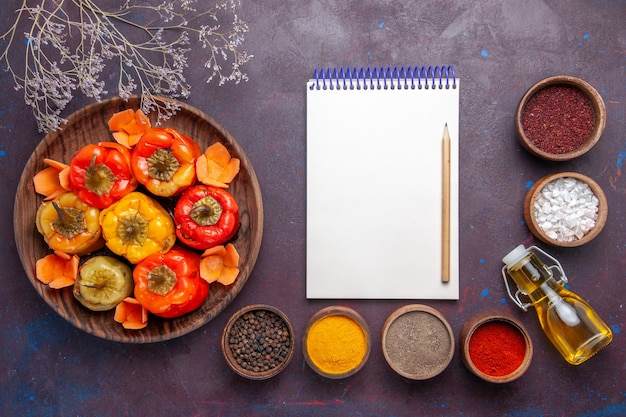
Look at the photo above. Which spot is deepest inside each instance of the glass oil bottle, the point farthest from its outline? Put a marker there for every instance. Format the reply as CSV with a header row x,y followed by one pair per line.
x,y
570,323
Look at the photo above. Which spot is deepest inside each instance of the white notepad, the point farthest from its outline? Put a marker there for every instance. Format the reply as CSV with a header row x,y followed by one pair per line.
x,y
374,183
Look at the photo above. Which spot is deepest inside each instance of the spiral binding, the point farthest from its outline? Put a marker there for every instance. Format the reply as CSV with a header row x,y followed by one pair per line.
x,y
384,78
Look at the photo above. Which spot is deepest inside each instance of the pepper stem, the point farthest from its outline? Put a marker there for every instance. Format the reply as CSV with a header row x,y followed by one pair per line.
x,y
161,280
162,164
70,221
99,179
206,211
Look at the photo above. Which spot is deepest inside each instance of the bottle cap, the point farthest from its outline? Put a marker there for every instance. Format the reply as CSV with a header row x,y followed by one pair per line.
x,y
514,256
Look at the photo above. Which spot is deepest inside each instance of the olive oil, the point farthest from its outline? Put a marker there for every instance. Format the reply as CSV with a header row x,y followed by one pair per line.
x,y
570,323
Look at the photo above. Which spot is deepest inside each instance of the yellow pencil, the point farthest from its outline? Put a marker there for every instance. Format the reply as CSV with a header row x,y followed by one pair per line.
x,y
445,207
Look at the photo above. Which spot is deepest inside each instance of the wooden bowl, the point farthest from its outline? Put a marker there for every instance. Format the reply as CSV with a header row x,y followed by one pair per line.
x,y
534,225
89,125
355,323
417,342
468,331
236,360
597,104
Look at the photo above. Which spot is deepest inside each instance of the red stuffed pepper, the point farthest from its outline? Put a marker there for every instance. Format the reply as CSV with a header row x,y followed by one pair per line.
x,y
169,285
100,174
164,161
206,216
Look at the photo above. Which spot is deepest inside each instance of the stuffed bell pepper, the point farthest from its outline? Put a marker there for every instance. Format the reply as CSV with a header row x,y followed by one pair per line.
x,y
136,227
169,285
206,216
100,174
164,161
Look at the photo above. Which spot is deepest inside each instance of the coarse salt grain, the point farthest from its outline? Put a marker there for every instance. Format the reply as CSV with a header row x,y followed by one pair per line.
x,y
565,209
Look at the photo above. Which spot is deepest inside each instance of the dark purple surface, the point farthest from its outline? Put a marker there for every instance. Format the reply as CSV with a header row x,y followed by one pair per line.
x,y
49,368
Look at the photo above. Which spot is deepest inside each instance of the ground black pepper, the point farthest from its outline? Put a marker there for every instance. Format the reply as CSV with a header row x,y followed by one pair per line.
x,y
558,119
259,340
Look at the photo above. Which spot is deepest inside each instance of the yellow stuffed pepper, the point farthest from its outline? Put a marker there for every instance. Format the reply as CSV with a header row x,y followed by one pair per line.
x,y
68,225
137,226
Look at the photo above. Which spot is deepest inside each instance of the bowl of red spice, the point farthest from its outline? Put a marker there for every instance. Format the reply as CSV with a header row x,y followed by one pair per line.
x,y
258,341
565,209
495,346
560,118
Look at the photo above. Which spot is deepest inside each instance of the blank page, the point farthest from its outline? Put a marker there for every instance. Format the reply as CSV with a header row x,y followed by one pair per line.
x,y
374,191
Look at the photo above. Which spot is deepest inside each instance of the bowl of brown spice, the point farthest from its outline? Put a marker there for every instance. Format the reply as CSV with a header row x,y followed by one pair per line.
x,y
258,341
560,118
417,342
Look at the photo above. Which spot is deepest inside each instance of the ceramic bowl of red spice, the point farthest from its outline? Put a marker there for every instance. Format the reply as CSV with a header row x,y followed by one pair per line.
x,y
495,347
560,118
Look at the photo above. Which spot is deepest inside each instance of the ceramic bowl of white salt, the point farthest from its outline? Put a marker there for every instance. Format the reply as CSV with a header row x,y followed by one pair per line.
x,y
566,209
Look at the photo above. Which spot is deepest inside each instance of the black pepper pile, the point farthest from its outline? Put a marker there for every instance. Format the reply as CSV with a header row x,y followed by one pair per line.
x,y
259,340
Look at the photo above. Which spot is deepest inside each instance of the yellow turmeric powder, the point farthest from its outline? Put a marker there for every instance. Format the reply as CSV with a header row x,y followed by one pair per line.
x,y
336,344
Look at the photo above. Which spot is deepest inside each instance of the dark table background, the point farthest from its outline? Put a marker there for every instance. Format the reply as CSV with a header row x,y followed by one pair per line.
x,y
499,48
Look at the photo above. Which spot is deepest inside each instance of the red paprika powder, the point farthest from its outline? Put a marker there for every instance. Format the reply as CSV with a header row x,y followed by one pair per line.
x,y
558,119
497,348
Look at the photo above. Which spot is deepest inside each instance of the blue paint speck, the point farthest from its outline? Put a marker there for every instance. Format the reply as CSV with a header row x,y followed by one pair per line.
x,y
32,398
503,300
485,131
616,328
620,159
369,53
381,25
484,53
485,293
586,36
603,91
528,184
2,152
601,51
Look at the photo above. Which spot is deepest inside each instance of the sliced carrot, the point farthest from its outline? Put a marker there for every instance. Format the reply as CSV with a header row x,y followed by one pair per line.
x,y
142,120
216,167
63,255
61,282
131,314
64,178
122,138
128,126
71,268
133,139
228,276
232,256
58,269
44,268
211,267
220,264
120,119
231,170
55,164
53,180
218,153
219,250
47,183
